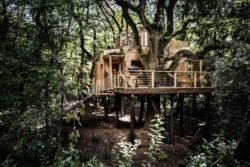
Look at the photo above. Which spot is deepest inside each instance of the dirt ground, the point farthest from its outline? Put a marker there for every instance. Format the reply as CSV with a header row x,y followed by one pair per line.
x,y
100,139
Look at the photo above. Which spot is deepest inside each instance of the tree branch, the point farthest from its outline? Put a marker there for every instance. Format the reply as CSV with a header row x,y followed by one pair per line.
x,y
159,10
184,27
107,19
113,16
132,24
212,47
170,16
141,14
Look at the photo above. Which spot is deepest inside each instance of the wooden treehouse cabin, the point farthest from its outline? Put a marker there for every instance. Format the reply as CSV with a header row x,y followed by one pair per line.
x,y
119,73
120,70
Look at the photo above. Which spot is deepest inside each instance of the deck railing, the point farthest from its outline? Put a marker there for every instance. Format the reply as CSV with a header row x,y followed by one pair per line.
x,y
156,79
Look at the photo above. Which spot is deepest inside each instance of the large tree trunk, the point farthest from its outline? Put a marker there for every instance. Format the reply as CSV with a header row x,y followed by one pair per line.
x,y
153,107
154,43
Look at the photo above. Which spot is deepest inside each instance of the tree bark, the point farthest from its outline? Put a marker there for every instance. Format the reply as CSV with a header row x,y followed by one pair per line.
x,y
153,107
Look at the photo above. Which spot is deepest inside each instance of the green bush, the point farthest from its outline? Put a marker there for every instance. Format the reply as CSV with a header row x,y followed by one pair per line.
x,y
217,152
71,157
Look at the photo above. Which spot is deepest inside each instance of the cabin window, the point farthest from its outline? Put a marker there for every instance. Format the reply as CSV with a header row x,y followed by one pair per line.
x,y
136,64
144,39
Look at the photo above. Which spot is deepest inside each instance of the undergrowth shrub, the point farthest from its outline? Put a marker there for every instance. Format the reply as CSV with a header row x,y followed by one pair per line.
x,y
127,150
217,152
154,151
71,157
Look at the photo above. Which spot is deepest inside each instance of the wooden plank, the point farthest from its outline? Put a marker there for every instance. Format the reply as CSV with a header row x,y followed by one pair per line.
x,y
175,81
195,79
153,79
111,72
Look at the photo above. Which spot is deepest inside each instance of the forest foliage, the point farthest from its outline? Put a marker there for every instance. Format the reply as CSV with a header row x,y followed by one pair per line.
x,y
47,54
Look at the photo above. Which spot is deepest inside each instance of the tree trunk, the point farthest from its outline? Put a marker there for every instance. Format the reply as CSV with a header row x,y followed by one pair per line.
x,y
154,43
153,107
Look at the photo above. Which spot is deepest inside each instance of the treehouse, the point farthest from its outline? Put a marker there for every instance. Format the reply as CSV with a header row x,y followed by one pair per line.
x,y
120,70
119,73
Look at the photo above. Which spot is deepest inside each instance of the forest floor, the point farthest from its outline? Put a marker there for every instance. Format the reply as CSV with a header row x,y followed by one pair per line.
x,y
99,139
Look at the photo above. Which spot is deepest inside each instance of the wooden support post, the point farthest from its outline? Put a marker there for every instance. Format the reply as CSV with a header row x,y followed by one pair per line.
x,y
175,81
111,72
95,103
208,114
165,108
171,118
153,79
105,101
194,106
200,64
132,123
126,105
142,109
195,79
117,107
181,99
119,77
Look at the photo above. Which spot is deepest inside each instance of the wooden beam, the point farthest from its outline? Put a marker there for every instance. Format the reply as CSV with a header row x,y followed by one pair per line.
x,y
194,105
175,81
132,123
152,79
105,101
208,114
142,100
117,107
171,118
195,79
95,103
181,102
165,108
111,72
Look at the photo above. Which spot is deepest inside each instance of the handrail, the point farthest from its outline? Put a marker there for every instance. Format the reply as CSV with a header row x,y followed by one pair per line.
x,y
167,71
156,79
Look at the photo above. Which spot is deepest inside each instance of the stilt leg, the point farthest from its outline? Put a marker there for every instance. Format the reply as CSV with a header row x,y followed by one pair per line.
x,y
208,114
171,119
106,108
141,109
181,99
117,107
194,106
165,109
95,103
132,126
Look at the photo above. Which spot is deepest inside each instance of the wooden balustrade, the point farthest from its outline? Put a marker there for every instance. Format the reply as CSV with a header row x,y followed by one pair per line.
x,y
156,79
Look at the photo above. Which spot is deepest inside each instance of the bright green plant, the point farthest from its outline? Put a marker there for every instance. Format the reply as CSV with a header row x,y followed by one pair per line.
x,y
127,151
212,153
154,150
71,157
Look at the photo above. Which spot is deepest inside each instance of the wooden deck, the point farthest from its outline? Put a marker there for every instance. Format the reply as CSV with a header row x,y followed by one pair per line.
x,y
155,82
